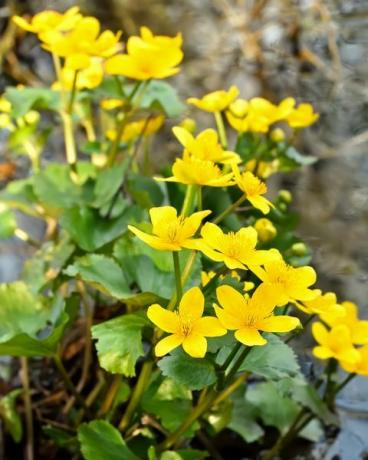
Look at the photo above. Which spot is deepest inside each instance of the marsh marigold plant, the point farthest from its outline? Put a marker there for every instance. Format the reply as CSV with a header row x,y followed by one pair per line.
x,y
161,305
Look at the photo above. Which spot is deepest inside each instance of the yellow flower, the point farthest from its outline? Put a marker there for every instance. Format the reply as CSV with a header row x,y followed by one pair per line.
x,y
82,43
288,284
302,116
111,104
50,20
170,232
249,316
253,188
235,250
258,114
335,343
205,146
264,169
136,128
192,171
360,367
215,101
88,78
349,318
265,229
187,326
324,303
148,56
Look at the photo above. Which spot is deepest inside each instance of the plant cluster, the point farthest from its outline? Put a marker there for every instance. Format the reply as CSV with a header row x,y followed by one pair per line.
x,y
188,293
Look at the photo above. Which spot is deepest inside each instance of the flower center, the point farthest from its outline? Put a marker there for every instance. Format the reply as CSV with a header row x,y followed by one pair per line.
x,y
186,325
174,228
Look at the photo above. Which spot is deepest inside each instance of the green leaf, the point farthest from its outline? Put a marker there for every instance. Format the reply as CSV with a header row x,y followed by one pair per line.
x,y
108,183
244,418
307,396
25,343
19,194
275,360
119,343
274,409
103,273
55,188
152,270
92,231
25,99
8,223
10,416
169,401
99,440
163,95
194,373
21,311
145,191
46,263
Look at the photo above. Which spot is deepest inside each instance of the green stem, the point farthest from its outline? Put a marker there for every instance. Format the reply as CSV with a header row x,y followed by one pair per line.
x,y
212,397
305,324
330,371
188,200
230,209
286,438
188,422
199,199
73,93
231,356
120,129
221,129
299,423
69,384
28,408
179,288
226,364
141,385
237,364
339,387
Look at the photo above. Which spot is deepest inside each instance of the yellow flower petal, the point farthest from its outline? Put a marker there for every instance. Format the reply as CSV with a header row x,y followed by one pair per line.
x,y
209,327
183,136
166,320
320,333
195,345
321,352
192,304
278,324
192,223
227,319
161,216
167,344
360,333
261,203
231,300
212,234
250,337
154,241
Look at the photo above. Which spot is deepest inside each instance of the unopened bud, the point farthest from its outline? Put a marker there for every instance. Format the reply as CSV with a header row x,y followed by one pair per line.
x,y
299,249
189,124
277,135
285,196
265,229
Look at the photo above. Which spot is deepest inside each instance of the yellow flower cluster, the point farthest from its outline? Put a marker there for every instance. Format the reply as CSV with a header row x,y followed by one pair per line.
x,y
258,115
341,334
246,315
89,53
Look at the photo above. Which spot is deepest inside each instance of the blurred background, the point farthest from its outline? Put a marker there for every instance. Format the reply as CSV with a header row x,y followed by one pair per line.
x,y
313,50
